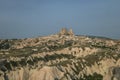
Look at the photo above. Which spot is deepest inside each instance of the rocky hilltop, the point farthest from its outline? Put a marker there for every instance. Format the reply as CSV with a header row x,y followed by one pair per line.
x,y
62,56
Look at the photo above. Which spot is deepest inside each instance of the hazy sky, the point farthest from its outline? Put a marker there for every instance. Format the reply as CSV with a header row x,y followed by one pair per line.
x,y
32,18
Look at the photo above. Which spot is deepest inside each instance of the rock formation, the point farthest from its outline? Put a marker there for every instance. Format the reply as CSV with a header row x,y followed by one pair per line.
x,y
113,73
60,58
71,32
64,31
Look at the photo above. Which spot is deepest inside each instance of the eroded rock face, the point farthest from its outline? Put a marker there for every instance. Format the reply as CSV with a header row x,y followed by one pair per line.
x,y
62,57
113,73
45,73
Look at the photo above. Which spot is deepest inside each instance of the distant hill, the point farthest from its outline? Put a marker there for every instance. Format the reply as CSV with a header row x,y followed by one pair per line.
x,y
62,56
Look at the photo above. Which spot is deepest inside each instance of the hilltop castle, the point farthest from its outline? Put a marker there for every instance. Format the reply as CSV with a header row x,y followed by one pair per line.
x,y
64,31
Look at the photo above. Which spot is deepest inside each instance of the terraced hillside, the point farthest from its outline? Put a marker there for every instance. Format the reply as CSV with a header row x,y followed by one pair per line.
x,y
62,56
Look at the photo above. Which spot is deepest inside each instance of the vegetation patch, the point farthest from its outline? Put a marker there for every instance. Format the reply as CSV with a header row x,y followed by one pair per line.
x,y
95,76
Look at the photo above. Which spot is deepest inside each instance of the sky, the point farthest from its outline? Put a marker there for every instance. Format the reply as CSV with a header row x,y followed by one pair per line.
x,y
32,18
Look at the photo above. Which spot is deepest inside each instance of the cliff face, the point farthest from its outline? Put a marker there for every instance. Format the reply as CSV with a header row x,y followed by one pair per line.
x,y
60,57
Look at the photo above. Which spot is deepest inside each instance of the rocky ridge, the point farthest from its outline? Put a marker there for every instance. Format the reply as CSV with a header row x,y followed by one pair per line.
x,y
62,56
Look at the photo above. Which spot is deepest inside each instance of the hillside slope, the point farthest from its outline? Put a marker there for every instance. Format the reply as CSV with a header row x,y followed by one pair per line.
x,y
62,56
